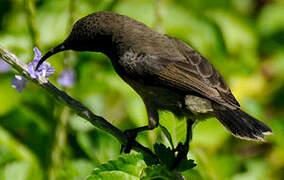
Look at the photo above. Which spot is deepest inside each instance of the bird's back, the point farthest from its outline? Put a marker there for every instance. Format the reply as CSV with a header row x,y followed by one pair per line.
x,y
139,37
156,58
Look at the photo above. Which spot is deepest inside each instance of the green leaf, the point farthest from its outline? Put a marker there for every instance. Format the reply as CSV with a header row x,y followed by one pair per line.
x,y
270,20
111,175
74,169
168,135
6,156
158,172
238,35
165,154
147,15
95,143
9,97
149,160
17,170
27,165
175,127
167,158
186,164
127,166
196,31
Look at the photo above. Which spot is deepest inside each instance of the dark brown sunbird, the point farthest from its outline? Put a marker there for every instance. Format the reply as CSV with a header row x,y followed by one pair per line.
x,y
166,72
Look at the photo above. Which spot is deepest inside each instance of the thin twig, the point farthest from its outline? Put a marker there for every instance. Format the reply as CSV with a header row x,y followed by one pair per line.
x,y
75,105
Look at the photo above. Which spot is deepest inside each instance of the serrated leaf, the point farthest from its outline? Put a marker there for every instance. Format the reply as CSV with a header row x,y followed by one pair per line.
x,y
185,164
127,166
149,160
165,154
112,175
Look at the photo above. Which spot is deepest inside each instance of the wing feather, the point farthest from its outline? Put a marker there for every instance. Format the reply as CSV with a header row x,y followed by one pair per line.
x,y
195,73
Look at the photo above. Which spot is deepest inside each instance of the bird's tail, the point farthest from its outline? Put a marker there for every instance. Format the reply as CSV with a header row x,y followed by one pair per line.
x,y
241,124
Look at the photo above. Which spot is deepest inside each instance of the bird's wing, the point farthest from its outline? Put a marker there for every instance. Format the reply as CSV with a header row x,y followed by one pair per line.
x,y
195,74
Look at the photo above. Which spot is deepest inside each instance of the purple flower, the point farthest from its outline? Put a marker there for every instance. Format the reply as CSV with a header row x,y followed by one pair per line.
x,y
19,82
4,67
45,70
66,78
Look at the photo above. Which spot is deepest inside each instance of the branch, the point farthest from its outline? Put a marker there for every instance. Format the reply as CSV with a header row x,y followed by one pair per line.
x,y
75,105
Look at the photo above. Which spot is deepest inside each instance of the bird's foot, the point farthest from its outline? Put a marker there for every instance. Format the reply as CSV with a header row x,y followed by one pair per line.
x,y
182,150
131,136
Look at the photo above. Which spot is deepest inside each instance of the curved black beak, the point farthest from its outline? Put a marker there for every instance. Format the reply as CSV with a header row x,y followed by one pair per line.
x,y
57,49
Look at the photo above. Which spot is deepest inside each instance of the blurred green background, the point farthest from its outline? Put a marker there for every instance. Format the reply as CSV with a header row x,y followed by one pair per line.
x,y
42,139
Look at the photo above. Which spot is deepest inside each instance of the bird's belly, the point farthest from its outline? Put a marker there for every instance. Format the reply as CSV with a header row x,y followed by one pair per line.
x,y
158,97
181,105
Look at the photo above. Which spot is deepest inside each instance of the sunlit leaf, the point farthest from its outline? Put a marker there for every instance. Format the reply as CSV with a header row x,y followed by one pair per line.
x,y
125,167
237,34
158,172
21,167
167,134
99,146
176,127
75,169
7,95
270,20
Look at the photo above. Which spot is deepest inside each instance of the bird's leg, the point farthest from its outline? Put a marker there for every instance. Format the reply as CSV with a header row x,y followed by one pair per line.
x,y
182,149
153,122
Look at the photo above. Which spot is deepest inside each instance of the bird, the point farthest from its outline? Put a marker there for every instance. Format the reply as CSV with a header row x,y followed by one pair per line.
x,y
167,73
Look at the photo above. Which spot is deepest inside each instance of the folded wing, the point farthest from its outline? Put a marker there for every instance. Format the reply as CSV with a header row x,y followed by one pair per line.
x,y
194,73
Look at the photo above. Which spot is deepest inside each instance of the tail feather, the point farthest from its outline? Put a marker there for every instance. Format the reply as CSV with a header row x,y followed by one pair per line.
x,y
242,125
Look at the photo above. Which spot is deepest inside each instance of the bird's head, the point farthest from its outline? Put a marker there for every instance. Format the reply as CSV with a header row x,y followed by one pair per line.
x,y
91,33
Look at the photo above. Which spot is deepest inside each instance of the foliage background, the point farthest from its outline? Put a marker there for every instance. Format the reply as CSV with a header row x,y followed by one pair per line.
x,y
41,139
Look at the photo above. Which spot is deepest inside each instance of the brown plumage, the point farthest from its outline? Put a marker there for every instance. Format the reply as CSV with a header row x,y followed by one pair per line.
x,y
166,72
